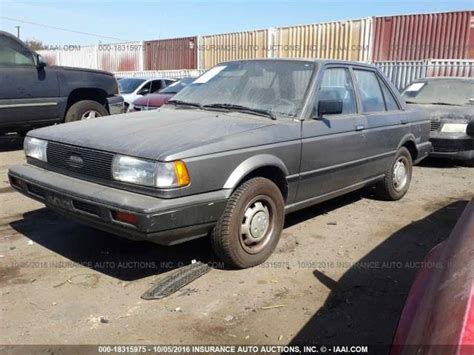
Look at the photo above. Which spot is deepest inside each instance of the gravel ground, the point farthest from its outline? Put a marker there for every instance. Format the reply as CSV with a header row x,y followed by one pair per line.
x,y
340,275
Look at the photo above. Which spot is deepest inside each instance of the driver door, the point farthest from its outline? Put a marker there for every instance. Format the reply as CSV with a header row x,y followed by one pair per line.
x,y
332,145
27,94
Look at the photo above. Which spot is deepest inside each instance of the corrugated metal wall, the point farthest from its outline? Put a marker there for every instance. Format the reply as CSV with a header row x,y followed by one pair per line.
x,y
168,54
230,46
120,56
109,57
414,37
347,40
149,74
81,56
401,73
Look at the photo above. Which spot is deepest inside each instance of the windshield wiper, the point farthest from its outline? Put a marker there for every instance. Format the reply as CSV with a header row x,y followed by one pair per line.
x,y
184,103
240,108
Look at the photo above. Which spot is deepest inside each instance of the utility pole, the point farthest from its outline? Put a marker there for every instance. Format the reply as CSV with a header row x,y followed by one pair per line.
x,y
18,31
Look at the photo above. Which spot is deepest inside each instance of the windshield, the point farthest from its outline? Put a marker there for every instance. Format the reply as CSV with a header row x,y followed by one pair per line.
x,y
447,92
176,87
126,86
276,87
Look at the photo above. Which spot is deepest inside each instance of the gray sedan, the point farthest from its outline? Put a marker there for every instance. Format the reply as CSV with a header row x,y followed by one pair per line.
x,y
229,156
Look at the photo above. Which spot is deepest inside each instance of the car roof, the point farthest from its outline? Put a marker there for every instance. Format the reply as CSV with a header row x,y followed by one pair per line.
x,y
310,60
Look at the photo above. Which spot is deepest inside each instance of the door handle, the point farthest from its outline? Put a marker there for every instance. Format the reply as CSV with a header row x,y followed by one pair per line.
x,y
404,121
360,127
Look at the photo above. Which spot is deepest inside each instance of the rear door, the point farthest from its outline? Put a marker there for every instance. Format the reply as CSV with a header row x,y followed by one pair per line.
x,y
27,94
332,146
387,124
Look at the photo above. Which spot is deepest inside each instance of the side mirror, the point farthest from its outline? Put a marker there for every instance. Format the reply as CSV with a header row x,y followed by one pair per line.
x,y
329,107
39,61
144,91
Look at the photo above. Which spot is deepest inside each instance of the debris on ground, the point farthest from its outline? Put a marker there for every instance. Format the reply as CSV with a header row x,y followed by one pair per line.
x,y
275,306
229,318
176,280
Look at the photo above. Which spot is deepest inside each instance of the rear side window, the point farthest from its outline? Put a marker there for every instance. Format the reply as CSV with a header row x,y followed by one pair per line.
x,y
337,85
370,93
390,101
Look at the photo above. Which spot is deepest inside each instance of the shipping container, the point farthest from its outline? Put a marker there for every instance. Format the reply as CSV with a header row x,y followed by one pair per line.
x,y
402,73
219,48
346,40
169,54
424,36
120,56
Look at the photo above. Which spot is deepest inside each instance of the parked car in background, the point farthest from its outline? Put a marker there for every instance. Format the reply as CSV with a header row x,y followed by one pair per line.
x,y
133,88
156,100
450,106
438,317
33,94
246,143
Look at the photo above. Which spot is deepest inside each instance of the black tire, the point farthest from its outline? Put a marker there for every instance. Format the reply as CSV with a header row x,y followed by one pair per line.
x,y
232,242
77,110
387,189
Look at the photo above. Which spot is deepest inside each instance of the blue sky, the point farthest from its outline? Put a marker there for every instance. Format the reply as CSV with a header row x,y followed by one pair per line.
x,y
147,19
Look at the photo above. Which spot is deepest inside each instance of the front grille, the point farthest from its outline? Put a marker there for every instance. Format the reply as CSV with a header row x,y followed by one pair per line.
x,y
435,125
80,160
86,207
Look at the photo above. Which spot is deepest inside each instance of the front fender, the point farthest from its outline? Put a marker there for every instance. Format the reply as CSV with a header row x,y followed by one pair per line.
x,y
251,164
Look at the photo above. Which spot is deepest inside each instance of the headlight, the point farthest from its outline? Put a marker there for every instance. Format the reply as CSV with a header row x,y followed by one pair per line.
x,y
35,148
150,173
454,128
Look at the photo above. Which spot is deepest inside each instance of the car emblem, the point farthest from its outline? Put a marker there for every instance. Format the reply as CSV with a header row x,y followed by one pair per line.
x,y
75,161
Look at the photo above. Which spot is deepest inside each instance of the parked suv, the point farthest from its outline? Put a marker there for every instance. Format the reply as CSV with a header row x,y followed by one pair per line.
x,y
244,144
33,94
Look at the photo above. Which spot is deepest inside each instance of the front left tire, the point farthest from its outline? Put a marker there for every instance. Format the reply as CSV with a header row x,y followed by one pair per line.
x,y
250,227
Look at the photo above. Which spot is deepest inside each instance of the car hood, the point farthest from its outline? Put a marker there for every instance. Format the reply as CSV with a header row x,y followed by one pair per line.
x,y
443,112
157,134
87,70
154,100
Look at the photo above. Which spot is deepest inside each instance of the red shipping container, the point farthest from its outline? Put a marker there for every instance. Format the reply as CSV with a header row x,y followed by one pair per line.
x,y
425,36
168,54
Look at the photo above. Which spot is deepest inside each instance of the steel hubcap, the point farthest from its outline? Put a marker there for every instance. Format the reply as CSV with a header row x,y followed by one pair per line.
x,y
256,229
90,114
400,174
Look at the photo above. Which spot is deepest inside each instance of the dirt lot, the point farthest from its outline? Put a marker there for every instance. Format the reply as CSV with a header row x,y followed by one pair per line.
x,y
340,274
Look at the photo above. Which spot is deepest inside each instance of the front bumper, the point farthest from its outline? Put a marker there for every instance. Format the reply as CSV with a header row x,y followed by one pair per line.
x,y
452,146
163,221
116,104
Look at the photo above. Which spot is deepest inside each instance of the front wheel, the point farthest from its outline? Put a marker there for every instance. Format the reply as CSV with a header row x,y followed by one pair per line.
x,y
397,178
250,227
85,110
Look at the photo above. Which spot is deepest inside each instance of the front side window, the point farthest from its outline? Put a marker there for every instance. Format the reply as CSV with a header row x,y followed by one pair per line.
x,y
156,85
274,86
370,93
13,53
129,85
336,85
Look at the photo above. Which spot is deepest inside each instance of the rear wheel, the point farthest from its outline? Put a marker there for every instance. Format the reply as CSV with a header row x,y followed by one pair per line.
x,y
85,110
397,179
250,227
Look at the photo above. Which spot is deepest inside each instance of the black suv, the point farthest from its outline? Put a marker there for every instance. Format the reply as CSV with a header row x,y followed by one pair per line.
x,y
33,94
